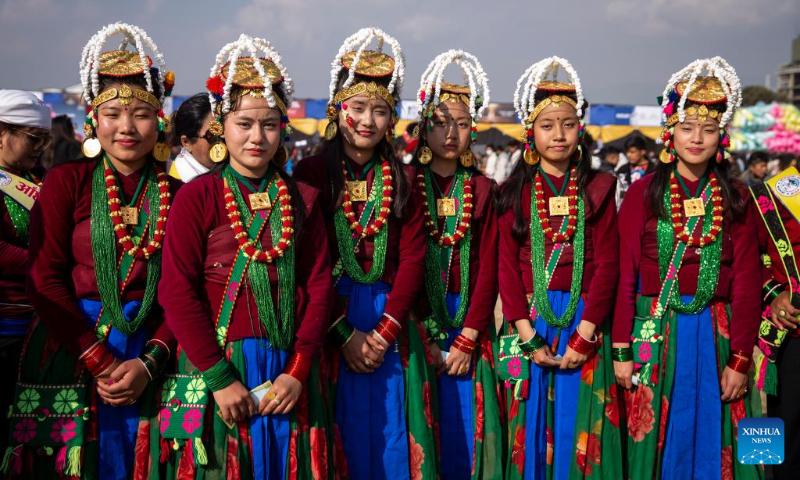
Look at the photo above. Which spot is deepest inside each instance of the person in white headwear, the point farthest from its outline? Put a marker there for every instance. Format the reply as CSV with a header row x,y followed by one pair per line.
x,y
191,122
24,135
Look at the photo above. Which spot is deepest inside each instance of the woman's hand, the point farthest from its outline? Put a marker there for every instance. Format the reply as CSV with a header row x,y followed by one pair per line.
x,y
234,403
359,355
573,359
436,353
623,371
125,383
543,357
458,362
783,304
282,396
733,384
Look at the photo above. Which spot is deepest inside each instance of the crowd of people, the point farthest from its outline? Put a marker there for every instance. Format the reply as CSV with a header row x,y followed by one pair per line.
x,y
243,310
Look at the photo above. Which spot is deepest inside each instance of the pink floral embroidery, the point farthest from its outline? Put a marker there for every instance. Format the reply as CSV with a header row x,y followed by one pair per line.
x,y
24,431
63,430
514,367
164,419
670,273
146,206
795,285
232,289
765,204
191,420
644,352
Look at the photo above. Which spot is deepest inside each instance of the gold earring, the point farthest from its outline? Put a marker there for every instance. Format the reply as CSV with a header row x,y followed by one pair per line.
x,y
161,151
91,147
415,132
467,159
531,157
580,154
331,130
665,156
425,155
218,152
281,156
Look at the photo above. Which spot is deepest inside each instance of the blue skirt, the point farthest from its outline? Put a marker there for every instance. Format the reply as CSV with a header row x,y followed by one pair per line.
x,y
565,391
693,441
117,426
370,408
456,406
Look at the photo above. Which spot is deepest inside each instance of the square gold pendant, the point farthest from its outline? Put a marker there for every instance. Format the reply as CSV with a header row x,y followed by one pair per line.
x,y
445,207
694,207
559,206
357,190
130,215
259,201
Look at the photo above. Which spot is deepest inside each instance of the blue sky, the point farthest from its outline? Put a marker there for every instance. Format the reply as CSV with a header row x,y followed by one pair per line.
x,y
624,50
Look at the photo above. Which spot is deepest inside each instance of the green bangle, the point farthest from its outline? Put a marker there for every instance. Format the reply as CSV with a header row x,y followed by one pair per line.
x,y
219,376
341,332
772,289
624,354
159,355
533,345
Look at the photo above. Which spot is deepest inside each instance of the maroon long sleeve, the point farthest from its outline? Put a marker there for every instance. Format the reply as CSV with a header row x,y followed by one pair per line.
x,y
739,276
13,260
60,260
405,251
482,252
199,250
600,253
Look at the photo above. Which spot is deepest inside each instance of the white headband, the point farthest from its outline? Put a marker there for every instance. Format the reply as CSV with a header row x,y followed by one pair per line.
x,y
18,107
255,46
359,42
90,58
717,67
474,76
528,84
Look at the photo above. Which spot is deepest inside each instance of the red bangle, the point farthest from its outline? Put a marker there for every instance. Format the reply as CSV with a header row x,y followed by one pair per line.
x,y
580,344
388,329
464,344
739,361
97,359
298,366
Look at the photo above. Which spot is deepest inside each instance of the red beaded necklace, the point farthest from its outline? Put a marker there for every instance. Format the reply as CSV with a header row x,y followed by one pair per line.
x,y
121,230
572,199
678,225
248,245
447,240
386,202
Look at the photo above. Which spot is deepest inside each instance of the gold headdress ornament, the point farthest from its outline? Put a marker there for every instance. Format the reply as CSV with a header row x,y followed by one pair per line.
x,y
720,87
535,79
122,64
433,91
368,63
259,78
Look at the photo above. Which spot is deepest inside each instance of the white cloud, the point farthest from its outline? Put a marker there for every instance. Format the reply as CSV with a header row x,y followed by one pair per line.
x,y
657,17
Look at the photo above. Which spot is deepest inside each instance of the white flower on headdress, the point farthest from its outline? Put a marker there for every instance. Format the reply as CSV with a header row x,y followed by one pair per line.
x,y
258,48
528,84
717,67
90,57
359,42
474,76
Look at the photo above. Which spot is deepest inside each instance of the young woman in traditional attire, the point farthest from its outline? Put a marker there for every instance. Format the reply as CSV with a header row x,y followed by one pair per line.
x,y
84,395
247,291
384,381
461,269
557,272
688,304
24,135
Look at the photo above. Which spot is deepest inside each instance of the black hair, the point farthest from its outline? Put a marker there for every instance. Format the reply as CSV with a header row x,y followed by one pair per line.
x,y
410,127
300,214
732,201
333,151
635,141
610,150
757,157
510,191
786,160
189,117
